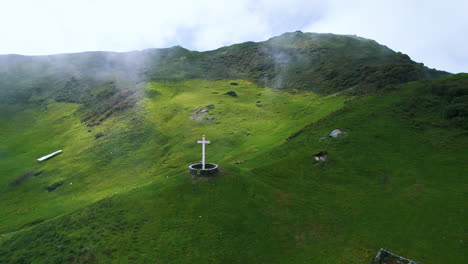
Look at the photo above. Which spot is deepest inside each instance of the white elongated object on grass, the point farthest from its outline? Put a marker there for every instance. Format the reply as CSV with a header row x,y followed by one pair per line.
x,y
50,155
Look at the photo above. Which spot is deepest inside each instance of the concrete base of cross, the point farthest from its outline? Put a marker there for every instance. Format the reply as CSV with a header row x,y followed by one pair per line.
x,y
211,169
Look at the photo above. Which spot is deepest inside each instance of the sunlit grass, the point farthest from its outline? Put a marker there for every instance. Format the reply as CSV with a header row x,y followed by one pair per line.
x,y
155,139
389,182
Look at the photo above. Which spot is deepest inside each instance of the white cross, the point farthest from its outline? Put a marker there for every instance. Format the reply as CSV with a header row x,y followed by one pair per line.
x,y
203,142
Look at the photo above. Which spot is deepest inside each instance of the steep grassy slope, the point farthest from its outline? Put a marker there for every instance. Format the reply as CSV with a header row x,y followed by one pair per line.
x,y
156,138
395,180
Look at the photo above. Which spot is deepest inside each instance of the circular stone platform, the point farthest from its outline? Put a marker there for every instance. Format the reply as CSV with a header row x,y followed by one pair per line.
x,y
210,169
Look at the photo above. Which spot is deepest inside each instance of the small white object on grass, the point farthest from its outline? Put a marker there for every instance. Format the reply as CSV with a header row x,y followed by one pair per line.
x,y
336,132
50,155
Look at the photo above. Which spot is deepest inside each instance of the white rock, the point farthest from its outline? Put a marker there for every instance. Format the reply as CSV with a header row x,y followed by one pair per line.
x,y
336,132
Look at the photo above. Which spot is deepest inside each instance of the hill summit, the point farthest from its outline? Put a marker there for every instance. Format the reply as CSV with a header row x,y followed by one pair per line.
x,y
323,63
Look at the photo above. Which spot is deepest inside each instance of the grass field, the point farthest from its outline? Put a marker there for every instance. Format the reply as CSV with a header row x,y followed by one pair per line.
x,y
157,138
396,180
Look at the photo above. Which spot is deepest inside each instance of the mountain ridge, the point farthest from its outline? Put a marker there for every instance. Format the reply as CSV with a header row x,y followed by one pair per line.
x,y
324,63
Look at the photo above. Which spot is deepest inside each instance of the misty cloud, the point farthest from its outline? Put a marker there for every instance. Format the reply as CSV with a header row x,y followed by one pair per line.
x,y
431,32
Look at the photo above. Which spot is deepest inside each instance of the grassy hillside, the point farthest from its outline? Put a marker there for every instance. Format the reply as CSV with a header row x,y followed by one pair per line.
x,y
155,139
395,180
322,63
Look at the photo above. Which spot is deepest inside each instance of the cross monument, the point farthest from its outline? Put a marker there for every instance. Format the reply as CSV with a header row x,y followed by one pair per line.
x,y
203,142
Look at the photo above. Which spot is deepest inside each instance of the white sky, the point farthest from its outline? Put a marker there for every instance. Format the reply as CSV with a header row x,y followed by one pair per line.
x,y
432,32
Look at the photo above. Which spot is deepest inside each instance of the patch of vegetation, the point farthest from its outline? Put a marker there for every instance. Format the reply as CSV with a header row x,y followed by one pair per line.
x,y
99,135
99,100
54,186
232,93
151,93
22,178
107,106
448,97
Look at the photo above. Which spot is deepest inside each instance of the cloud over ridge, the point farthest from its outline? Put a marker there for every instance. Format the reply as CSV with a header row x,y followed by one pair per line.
x,y
429,31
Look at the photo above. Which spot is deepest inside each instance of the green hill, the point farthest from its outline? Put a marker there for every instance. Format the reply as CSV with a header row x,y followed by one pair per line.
x,y
324,63
128,124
